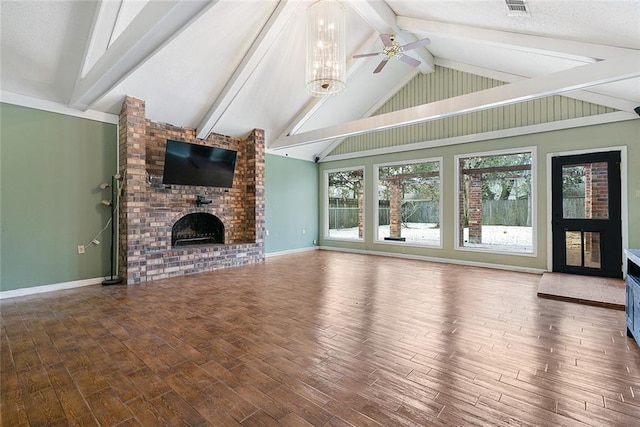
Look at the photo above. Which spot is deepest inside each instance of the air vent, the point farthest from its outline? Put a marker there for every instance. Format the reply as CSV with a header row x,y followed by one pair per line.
x,y
517,8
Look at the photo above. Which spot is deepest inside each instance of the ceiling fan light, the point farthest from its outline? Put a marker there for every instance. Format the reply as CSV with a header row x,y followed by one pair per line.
x,y
326,53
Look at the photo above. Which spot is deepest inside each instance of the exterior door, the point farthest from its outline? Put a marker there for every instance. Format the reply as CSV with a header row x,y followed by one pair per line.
x,y
586,212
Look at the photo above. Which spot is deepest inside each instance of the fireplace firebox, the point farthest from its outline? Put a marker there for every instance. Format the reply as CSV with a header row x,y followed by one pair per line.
x,y
199,228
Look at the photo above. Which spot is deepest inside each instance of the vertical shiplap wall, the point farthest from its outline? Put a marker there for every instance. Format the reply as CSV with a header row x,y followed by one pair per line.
x,y
446,83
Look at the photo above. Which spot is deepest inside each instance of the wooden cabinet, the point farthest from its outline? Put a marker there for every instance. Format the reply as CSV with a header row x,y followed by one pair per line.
x,y
633,293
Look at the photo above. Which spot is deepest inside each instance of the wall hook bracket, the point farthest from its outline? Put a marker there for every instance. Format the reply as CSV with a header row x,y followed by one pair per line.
x,y
200,200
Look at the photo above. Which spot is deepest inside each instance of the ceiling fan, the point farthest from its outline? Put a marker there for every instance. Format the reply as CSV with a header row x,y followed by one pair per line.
x,y
392,49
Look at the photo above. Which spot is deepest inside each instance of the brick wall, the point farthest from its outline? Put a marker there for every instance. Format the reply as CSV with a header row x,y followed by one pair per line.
x,y
475,208
148,209
361,210
461,211
596,198
395,207
596,204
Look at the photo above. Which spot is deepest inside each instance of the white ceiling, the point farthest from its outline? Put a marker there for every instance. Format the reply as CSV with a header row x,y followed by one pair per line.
x,y
230,66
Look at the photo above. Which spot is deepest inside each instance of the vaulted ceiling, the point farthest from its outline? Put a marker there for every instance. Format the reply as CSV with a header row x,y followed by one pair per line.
x,y
229,66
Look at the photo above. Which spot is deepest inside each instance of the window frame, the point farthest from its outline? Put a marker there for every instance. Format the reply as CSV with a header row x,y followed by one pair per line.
x,y
534,201
325,202
376,201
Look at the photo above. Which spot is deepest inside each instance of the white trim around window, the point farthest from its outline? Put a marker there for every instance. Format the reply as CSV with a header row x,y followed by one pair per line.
x,y
325,204
376,200
534,201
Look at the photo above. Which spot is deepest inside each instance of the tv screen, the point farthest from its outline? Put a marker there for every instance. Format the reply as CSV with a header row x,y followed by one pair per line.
x,y
191,164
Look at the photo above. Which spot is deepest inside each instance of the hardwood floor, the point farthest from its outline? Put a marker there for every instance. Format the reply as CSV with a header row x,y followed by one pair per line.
x,y
319,338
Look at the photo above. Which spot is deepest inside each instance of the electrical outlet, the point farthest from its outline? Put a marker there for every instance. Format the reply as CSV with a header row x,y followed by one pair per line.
x,y
267,232
80,249
304,231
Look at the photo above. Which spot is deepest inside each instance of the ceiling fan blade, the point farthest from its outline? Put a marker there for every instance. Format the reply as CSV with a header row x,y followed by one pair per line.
x,y
380,66
386,39
364,55
417,43
409,60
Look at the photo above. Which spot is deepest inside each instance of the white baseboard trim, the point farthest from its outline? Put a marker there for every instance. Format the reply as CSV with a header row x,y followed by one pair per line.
x,y
49,288
440,260
291,251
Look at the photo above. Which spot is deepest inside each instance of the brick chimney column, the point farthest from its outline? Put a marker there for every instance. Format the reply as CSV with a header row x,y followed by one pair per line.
x,y
133,201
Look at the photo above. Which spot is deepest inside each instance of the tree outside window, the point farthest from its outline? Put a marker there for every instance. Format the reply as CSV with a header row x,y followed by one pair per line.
x,y
346,204
495,195
409,203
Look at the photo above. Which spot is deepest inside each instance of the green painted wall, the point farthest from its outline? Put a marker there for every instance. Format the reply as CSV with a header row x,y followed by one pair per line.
x,y
599,137
51,169
291,201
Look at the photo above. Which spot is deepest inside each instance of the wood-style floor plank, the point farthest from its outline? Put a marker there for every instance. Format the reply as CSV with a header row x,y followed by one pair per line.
x,y
317,339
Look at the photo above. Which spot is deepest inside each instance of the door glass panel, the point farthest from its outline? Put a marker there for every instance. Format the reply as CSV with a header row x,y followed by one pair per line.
x,y
585,192
592,249
573,245
581,246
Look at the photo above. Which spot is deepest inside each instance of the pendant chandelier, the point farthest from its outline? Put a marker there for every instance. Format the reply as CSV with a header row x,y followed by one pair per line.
x,y
326,59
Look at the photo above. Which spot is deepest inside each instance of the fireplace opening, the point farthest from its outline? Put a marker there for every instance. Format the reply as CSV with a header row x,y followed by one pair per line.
x,y
198,228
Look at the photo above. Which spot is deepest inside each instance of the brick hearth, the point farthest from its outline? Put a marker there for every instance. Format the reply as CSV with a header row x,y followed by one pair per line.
x,y
148,209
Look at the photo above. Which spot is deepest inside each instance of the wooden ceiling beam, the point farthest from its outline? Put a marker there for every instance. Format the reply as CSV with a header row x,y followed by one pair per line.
x,y
254,56
102,27
561,48
314,104
591,96
156,25
577,78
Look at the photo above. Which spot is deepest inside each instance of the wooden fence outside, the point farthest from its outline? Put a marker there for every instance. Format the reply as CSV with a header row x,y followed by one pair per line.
x,y
344,213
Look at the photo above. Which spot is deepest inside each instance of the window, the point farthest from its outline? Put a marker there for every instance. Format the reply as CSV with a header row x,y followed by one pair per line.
x,y
409,203
496,202
585,191
345,216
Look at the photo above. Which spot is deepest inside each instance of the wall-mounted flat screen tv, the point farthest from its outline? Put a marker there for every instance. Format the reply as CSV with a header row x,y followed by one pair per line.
x,y
191,164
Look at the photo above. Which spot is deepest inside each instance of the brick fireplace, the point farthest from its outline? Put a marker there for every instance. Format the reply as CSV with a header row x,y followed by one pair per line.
x,y
163,231
197,228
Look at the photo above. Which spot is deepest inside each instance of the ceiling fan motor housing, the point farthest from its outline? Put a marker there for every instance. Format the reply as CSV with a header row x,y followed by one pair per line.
x,y
393,51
